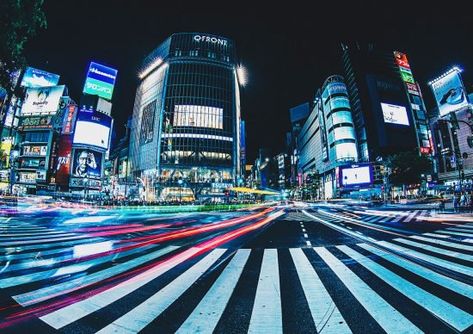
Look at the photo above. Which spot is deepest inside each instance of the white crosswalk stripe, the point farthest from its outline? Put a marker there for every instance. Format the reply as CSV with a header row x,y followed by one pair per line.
x,y
371,301
266,304
266,316
458,318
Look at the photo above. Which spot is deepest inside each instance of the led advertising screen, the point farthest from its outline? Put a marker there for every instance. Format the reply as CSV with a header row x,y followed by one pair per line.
x,y
38,78
42,100
355,175
100,80
394,114
449,93
87,163
147,123
93,129
198,116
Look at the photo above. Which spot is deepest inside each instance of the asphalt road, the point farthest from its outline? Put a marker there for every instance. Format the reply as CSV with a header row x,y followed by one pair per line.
x,y
318,268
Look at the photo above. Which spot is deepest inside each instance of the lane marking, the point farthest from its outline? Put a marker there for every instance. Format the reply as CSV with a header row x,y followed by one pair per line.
x,y
376,306
266,316
143,314
208,312
326,316
447,312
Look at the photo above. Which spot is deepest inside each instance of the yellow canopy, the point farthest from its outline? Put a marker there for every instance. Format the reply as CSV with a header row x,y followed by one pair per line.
x,y
253,191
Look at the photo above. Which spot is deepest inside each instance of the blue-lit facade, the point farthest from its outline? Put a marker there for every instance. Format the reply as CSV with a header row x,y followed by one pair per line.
x,y
327,138
185,136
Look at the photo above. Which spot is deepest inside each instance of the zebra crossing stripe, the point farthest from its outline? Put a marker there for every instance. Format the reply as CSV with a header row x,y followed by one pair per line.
x,y
459,229
266,316
445,281
376,306
48,292
411,216
139,317
326,316
455,233
443,243
436,235
206,315
398,218
66,315
428,258
449,313
437,250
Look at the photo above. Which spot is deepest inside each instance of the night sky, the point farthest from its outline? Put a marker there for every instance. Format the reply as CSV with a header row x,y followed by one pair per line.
x,y
288,51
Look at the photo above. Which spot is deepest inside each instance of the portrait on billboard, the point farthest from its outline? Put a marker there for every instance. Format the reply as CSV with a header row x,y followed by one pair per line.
x,y
87,164
147,123
42,100
449,93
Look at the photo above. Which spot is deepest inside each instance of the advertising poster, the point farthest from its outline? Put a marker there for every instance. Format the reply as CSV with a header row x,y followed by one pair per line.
x,y
63,160
93,129
449,93
198,116
147,123
42,100
394,114
38,78
355,175
100,80
87,163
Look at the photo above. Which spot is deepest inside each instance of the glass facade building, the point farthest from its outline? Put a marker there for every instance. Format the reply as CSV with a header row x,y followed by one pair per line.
x,y
185,136
327,138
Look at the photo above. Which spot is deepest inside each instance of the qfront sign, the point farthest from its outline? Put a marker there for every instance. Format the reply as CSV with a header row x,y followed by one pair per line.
x,y
210,39
100,80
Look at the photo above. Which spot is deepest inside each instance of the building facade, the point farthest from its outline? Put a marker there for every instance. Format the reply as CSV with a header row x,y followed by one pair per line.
x,y
185,135
327,139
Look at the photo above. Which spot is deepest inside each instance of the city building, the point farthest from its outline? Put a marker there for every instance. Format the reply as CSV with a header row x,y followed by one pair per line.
x,y
185,135
297,116
383,114
327,139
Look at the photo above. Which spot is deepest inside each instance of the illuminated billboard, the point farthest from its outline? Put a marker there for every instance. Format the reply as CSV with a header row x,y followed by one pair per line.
x,y
42,100
38,78
147,123
355,175
401,59
100,80
394,114
449,93
87,163
198,116
63,160
93,129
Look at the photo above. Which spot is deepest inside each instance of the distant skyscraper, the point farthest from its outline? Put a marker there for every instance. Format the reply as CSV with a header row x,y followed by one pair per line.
x,y
185,136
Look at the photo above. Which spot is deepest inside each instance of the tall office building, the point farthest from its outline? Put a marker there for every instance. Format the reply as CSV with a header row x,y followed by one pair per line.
x,y
382,111
327,139
185,135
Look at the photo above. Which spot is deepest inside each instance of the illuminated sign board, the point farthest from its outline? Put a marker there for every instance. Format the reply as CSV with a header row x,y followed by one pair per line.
x,y
36,122
412,88
401,59
449,93
93,129
63,160
100,80
198,116
42,100
87,163
38,78
355,175
394,114
210,39
407,77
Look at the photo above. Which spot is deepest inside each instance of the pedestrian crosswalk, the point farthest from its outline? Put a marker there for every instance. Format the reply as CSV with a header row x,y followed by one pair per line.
x,y
404,285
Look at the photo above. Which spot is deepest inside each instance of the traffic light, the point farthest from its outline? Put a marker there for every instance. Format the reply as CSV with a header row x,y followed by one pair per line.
x,y
454,121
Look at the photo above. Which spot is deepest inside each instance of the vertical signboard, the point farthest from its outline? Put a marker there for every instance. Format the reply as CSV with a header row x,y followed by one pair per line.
x,y
63,160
